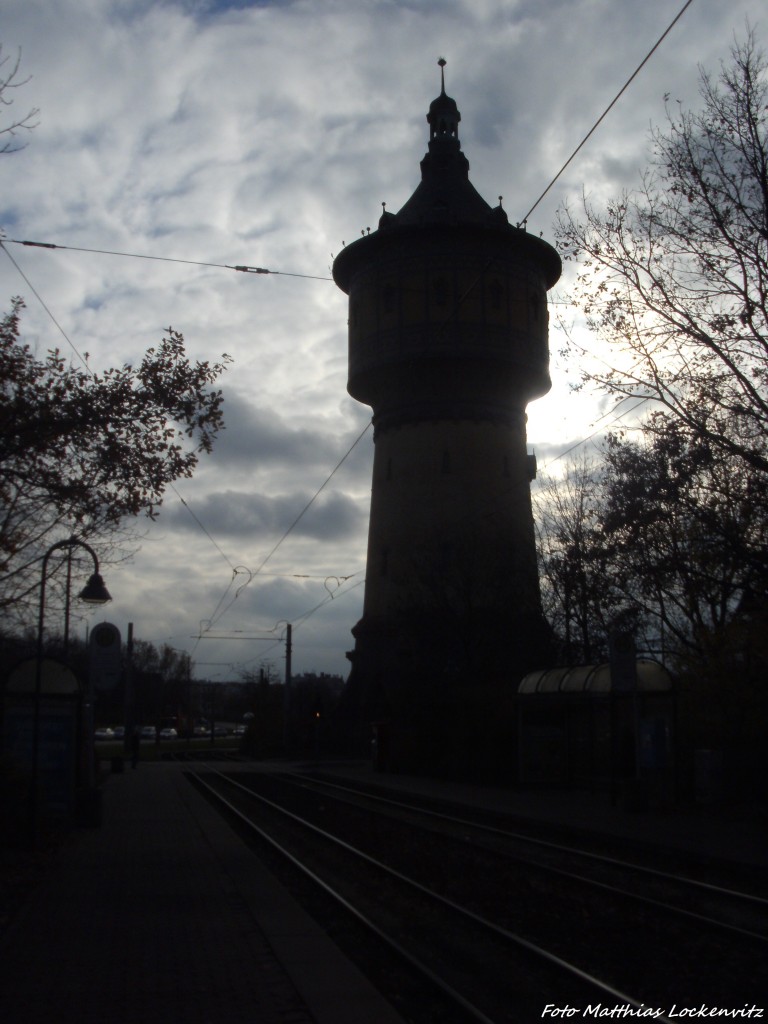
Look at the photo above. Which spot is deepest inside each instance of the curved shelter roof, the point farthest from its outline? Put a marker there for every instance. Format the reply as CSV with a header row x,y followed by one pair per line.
x,y
55,678
652,677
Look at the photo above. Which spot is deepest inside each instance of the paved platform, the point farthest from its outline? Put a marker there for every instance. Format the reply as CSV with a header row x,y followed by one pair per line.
x,y
163,915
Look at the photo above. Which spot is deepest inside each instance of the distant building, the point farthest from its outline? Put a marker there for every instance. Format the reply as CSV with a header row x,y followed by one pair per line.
x,y
448,342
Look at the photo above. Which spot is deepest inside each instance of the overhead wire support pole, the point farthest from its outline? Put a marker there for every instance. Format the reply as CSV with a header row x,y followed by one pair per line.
x,y
287,690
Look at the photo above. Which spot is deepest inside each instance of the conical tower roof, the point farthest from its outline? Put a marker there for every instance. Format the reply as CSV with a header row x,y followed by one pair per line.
x,y
444,200
445,195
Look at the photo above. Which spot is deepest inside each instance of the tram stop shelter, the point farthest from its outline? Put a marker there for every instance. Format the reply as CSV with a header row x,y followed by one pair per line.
x,y
577,729
40,730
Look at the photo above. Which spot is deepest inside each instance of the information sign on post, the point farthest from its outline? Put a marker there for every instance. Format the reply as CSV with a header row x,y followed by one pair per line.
x,y
623,663
624,680
105,660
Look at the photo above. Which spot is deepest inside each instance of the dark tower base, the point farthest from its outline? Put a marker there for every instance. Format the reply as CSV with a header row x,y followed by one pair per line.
x,y
434,715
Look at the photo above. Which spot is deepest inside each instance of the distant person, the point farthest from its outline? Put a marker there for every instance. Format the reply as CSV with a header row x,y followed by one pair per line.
x,y
135,743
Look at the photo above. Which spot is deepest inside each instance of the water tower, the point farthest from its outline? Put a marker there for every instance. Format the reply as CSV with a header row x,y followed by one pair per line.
x,y
448,342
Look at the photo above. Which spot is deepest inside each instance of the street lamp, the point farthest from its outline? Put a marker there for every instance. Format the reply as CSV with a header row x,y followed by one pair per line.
x,y
94,592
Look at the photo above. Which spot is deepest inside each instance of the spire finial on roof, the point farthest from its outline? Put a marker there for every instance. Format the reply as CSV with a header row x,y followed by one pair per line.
x,y
443,113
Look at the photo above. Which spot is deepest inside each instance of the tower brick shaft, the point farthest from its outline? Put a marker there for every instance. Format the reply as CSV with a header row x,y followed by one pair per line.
x,y
448,342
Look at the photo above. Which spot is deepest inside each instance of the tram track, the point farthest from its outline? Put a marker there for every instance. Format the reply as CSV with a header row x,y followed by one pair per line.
x,y
432,935
499,960
741,913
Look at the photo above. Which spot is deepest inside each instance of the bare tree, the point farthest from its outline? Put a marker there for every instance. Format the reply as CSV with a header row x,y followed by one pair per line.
x,y
10,126
674,275
665,536
578,593
686,532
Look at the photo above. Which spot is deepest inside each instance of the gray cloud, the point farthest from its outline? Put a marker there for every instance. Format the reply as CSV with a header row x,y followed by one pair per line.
x,y
257,434
262,519
265,134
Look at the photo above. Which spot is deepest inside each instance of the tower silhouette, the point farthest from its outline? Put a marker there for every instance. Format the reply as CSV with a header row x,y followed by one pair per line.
x,y
448,342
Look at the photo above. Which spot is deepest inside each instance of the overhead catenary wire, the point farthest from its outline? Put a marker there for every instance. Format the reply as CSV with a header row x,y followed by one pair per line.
x,y
202,526
299,621
243,269
39,298
611,105
239,570
218,615
589,437
316,495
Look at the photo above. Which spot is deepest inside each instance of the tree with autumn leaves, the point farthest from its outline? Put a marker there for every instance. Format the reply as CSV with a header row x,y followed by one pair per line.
x,y
83,452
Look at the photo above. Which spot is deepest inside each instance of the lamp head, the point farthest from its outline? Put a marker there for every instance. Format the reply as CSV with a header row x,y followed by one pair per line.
x,y
95,592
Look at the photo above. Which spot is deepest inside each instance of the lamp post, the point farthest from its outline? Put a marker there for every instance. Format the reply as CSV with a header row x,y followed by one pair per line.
x,y
94,592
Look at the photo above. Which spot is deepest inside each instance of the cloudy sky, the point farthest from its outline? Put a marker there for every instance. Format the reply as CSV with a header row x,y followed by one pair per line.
x,y
268,134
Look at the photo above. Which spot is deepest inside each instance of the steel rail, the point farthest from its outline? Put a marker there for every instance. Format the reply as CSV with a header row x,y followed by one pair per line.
x,y
518,940
602,858
363,918
562,873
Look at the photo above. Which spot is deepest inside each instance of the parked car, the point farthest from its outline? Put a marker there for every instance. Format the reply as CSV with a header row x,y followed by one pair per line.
x,y
119,732
103,733
148,732
168,734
